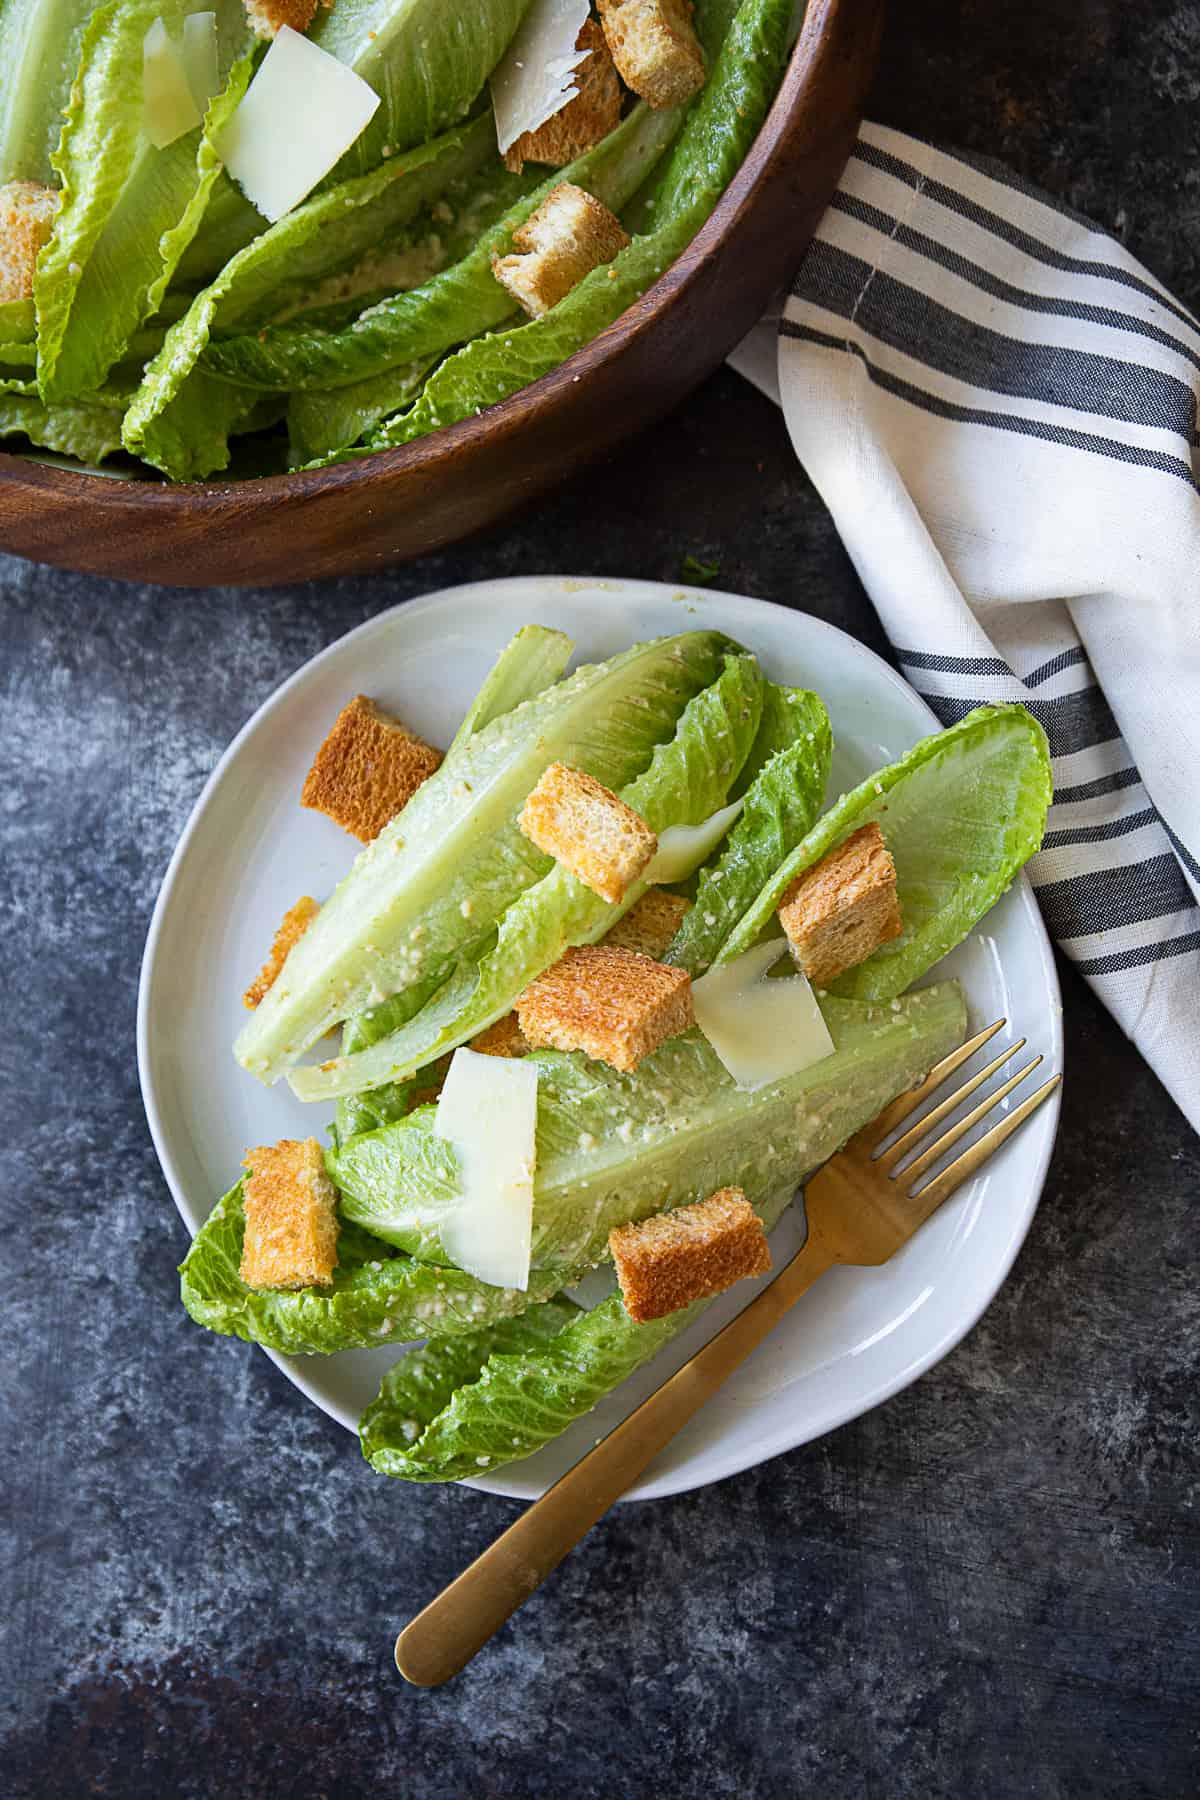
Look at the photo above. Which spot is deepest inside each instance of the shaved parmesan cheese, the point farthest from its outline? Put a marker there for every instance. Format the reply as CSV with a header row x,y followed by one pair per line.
x,y
199,56
168,109
682,848
532,80
761,1029
488,1111
300,115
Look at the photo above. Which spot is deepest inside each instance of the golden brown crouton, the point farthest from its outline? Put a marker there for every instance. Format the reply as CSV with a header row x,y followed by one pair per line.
x,y
296,921
677,1257
367,769
614,1005
650,923
268,17
583,121
655,48
589,830
570,234
504,1038
842,908
291,1224
26,220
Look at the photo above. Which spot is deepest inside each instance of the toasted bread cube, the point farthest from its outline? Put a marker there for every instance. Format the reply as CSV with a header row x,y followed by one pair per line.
x,y
504,1038
26,220
655,48
843,908
569,235
650,923
679,1257
295,922
367,770
583,121
614,1005
268,17
589,830
291,1221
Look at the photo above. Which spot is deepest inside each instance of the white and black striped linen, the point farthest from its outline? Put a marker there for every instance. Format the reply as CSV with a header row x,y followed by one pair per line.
x,y
999,407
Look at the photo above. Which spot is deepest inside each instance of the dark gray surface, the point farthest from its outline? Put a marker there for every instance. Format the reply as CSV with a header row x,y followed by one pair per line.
x,y
988,1587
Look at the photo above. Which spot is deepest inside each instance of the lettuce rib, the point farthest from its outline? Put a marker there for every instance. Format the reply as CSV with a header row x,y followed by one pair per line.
x,y
688,778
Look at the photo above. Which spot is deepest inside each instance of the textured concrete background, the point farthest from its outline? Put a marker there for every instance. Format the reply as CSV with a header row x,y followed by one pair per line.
x,y
989,1587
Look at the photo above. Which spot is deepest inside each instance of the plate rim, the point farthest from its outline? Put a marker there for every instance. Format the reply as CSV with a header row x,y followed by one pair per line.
x,y
712,1467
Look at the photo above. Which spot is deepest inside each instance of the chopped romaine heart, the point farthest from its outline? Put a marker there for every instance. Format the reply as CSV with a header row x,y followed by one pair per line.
x,y
762,1029
488,1112
275,164
168,106
532,80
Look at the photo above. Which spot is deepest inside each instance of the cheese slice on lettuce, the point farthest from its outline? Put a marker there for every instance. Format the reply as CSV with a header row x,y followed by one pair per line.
x,y
532,80
762,1029
488,1113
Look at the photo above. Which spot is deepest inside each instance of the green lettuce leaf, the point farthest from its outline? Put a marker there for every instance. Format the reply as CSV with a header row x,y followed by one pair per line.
x,y
961,812
457,304
456,1406
88,429
793,752
613,1147
719,129
166,423
532,661
40,43
434,883
427,61
128,210
671,1153
687,780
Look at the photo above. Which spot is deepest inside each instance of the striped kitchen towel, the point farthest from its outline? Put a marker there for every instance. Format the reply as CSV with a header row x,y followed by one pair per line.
x,y
998,406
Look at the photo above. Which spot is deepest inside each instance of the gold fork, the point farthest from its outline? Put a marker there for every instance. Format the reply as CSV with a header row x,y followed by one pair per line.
x,y
861,1208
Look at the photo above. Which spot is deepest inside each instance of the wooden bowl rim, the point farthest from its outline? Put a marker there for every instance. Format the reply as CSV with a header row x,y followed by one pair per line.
x,y
506,417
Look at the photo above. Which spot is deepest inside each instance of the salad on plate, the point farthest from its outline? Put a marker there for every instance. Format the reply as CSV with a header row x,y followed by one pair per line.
x,y
608,979
282,233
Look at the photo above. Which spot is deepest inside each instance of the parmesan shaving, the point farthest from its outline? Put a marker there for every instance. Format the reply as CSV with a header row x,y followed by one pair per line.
x,y
532,80
762,1029
682,848
488,1111
168,109
299,116
199,56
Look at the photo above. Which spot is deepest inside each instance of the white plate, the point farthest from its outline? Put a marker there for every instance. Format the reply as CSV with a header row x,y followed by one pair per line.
x,y
249,851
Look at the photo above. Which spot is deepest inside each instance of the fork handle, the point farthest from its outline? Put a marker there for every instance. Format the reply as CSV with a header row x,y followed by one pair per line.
x,y
443,1638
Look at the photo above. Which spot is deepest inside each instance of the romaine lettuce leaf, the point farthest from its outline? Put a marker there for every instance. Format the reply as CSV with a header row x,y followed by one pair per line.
x,y
793,752
427,61
128,210
613,1147
961,812
670,1153
88,429
456,1406
164,426
437,879
533,659
40,42
455,305
687,780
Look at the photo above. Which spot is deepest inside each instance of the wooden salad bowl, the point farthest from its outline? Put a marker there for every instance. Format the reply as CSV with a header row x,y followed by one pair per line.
x,y
401,503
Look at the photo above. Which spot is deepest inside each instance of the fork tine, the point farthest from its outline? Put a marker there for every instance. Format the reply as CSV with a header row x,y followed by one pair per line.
x,y
912,1137
930,1197
906,1103
938,1148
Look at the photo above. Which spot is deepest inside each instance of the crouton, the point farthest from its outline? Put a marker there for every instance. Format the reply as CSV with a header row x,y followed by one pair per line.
x,y
26,220
843,908
678,1257
504,1038
368,768
268,17
655,48
570,234
650,923
291,1222
614,1005
583,121
589,830
296,921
